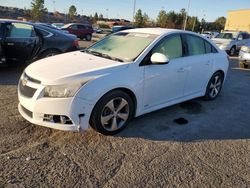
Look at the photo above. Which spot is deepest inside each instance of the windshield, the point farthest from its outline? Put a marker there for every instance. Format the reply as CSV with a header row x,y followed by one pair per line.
x,y
227,35
122,46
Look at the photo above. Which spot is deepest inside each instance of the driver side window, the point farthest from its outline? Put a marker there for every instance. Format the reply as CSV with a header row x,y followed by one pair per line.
x,y
171,47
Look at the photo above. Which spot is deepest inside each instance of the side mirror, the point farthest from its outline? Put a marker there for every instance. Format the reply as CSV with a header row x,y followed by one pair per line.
x,y
159,58
240,38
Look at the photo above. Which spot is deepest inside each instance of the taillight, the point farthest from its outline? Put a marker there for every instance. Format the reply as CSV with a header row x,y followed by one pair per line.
x,y
76,43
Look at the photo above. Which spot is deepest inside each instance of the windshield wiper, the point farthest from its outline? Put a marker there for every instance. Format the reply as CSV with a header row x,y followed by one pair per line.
x,y
99,54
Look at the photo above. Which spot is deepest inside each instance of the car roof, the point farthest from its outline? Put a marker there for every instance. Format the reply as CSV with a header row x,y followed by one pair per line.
x,y
157,31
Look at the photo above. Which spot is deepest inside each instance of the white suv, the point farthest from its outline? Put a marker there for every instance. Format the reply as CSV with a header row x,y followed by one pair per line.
x,y
124,75
231,41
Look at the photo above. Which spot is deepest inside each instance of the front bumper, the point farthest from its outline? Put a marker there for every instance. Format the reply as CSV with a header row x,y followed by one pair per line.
x,y
34,108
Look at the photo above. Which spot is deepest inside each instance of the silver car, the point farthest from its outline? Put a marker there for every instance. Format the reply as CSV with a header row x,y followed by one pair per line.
x,y
244,57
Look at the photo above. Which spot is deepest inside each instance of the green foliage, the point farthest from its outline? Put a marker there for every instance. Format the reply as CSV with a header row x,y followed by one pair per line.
x,y
37,10
95,19
100,16
72,12
139,18
161,20
145,19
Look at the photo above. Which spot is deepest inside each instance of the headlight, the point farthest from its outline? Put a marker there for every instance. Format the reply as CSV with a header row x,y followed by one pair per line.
x,y
62,91
245,49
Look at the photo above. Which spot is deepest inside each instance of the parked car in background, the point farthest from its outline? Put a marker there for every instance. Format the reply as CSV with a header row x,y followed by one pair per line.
x,y
82,31
26,42
231,41
58,25
97,30
125,75
118,28
210,34
244,56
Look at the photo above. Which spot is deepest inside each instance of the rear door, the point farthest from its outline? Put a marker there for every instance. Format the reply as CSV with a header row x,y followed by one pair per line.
x,y
19,42
82,29
199,63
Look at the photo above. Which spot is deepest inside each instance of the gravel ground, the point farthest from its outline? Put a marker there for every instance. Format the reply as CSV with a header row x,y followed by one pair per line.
x,y
212,150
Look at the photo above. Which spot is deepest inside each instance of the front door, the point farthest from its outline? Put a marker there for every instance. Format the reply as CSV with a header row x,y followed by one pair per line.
x,y
19,42
165,82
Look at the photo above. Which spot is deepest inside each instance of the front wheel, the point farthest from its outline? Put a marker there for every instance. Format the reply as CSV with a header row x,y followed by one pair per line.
x,y
214,86
112,113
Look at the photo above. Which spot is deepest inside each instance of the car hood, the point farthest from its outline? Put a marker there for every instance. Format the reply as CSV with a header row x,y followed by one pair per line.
x,y
69,67
219,41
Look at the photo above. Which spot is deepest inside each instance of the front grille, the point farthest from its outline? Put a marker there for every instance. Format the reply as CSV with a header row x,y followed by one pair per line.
x,y
27,112
26,90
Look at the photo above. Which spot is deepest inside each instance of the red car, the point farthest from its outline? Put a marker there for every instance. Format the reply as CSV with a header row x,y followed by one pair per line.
x,y
82,31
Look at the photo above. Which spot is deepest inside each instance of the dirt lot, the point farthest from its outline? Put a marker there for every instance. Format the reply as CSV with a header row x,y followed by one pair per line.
x,y
212,150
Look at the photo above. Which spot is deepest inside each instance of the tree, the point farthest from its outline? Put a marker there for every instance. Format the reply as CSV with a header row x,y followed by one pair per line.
x,y
162,19
145,19
96,17
101,16
37,10
138,18
220,23
72,12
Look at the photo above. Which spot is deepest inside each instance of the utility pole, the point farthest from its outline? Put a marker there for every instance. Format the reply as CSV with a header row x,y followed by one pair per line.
x,y
54,6
185,23
134,11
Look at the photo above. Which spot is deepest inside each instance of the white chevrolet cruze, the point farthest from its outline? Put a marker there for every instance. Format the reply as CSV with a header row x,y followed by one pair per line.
x,y
125,75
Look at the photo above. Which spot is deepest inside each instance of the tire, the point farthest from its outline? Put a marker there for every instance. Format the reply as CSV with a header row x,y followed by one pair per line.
x,y
88,37
232,51
48,53
112,113
243,65
214,86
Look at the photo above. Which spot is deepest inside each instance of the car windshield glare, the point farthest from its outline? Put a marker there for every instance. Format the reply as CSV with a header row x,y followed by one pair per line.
x,y
226,36
125,46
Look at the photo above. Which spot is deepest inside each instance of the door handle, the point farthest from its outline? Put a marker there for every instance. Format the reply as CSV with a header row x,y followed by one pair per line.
x,y
181,69
10,44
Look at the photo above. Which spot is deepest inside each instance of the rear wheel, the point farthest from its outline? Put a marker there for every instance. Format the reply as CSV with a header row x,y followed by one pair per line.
x,y
232,51
88,37
49,53
243,65
214,86
112,113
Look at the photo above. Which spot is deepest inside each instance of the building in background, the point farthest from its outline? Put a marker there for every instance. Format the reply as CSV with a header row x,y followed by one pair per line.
x,y
238,20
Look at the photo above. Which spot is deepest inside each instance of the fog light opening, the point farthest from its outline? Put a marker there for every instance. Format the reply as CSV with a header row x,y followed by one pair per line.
x,y
57,119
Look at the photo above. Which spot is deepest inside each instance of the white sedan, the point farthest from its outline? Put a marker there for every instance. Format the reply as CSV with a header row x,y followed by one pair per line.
x,y
125,75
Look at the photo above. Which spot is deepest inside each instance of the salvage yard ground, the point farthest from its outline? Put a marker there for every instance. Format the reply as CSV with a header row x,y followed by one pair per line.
x,y
211,150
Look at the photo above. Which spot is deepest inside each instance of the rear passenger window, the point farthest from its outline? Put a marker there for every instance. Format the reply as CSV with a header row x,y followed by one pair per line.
x,y
20,30
209,48
171,47
73,27
195,45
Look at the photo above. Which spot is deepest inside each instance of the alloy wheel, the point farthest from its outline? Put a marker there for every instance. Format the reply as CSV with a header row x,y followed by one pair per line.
x,y
215,86
115,114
